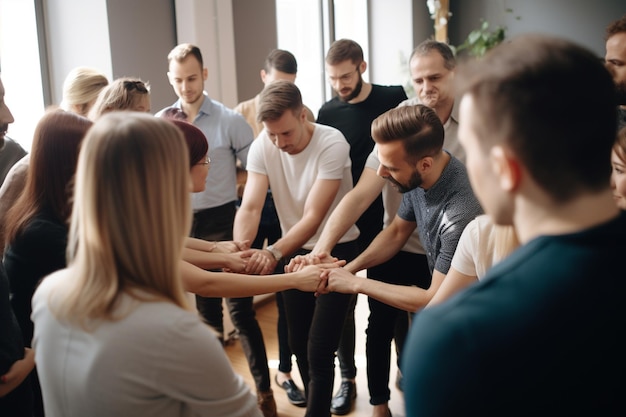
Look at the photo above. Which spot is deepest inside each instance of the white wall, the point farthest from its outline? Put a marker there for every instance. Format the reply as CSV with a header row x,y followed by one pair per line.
x,y
208,24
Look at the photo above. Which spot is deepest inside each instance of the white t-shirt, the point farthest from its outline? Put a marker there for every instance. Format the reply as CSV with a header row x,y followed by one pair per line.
x,y
291,177
159,360
475,252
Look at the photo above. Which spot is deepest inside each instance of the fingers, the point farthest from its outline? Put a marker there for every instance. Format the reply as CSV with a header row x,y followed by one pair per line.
x,y
259,264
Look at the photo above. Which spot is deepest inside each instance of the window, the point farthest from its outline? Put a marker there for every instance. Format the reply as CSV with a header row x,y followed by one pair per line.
x,y
306,28
20,68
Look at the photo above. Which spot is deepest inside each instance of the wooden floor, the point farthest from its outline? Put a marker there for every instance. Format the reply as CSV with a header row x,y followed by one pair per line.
x,y
267,316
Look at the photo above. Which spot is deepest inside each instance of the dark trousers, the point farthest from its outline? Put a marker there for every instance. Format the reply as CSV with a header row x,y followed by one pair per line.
x,y
315,327
404,268
217,224
269,230
369,224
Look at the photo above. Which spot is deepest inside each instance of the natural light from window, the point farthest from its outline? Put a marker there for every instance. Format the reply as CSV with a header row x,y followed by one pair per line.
x,y
20,68
303,30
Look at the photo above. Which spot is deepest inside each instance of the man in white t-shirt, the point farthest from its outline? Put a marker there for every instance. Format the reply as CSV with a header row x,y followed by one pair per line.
x,y
308,168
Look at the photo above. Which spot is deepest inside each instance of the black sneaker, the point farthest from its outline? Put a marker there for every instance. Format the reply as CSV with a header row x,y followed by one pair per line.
x,y
343,401
294,394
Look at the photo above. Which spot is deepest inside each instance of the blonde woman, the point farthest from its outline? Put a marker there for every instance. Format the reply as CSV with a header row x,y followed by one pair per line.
x,y
113,333
81,88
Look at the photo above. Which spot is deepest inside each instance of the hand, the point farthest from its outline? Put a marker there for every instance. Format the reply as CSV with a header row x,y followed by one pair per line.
x,y
17,373
260,262
298,262
312,278
231,246
236,262
340,280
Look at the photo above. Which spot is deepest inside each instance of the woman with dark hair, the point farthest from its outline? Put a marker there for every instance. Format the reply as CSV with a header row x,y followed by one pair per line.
x,y
37,224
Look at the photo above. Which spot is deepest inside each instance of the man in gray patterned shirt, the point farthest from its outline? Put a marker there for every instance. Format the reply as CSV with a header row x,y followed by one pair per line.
x,y
437,199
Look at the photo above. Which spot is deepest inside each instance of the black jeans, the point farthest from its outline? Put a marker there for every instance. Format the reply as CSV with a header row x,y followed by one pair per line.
x,y
315,327
269,229
404,268
370,224
217,224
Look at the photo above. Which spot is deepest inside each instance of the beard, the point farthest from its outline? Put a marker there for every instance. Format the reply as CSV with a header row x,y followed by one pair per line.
x,y
357,90
414,182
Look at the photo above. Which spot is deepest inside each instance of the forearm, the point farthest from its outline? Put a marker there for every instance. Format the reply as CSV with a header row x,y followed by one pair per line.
x,y
453,283
298,235
246,224
342,218
206,260
17,373
200,244
404,297
223,284
383,247
349,209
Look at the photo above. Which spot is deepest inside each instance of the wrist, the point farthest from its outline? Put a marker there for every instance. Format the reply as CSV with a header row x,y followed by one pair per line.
x,y
276,253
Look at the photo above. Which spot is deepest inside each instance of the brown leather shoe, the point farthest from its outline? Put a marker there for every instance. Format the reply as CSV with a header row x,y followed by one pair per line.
x,y
267,404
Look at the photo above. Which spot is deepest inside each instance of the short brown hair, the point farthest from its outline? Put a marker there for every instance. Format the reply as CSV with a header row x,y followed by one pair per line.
x,y
282,61
523,92
418,127
615,27
343,50
277,98
182,51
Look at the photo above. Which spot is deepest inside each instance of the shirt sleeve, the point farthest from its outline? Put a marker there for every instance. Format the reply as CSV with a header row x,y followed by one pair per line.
x,y
449,237
334,159
256,162
406,211
463,259
241,137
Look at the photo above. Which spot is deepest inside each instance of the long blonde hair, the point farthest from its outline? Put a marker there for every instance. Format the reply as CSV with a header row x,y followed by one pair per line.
x,y
130,216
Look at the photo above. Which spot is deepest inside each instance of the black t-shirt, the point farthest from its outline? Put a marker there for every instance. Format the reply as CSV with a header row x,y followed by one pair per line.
x,y
354,121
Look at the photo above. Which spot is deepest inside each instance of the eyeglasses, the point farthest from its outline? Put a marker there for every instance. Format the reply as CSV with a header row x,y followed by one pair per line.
x,y
345,78
136,85
207,161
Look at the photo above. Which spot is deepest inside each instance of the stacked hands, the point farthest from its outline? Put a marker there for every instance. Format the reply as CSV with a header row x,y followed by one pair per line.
x,y
332,276
320,273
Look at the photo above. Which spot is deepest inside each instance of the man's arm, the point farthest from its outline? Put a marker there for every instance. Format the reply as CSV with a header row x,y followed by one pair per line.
x,y
317,204
248,215
349,209
404,297
384,246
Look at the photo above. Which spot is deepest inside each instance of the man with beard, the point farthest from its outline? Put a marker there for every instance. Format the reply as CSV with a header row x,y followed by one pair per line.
x,y
616,63
351,111
432,67
437,199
